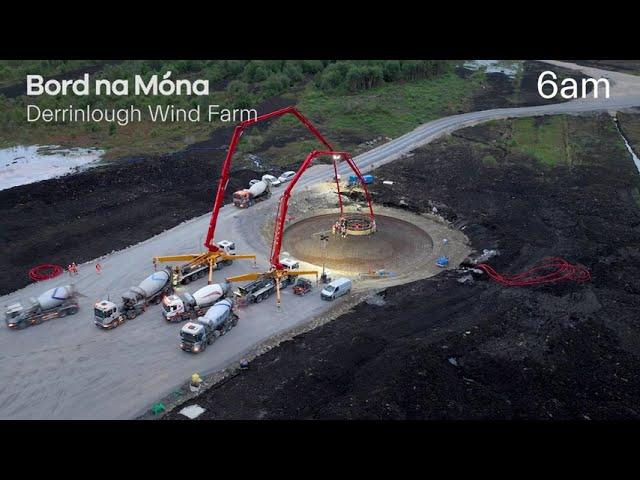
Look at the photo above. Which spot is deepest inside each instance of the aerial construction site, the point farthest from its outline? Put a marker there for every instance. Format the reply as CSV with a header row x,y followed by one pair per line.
x,y
316,259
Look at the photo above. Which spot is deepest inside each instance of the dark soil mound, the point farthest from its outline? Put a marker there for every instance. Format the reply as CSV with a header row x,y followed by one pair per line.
x,y
80,217
439,349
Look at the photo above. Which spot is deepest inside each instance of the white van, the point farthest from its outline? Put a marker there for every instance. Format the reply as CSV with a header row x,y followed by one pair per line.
x,y
335,289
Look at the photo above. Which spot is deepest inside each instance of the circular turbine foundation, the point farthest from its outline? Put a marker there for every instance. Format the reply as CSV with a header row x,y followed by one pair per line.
x,y
397,246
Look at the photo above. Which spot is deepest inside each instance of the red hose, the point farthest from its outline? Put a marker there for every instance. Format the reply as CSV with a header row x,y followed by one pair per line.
x,y
549,270
45,272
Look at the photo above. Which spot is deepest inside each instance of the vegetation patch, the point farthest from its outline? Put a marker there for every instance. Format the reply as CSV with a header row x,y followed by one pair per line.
x,y
542,139
15,71
353,100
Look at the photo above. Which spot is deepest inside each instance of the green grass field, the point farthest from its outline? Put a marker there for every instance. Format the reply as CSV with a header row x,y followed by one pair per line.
x,y
388,111
393,109
543,140
559,140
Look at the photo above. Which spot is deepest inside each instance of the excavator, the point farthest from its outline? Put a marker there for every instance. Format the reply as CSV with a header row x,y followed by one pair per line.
x,y
278,271
217,254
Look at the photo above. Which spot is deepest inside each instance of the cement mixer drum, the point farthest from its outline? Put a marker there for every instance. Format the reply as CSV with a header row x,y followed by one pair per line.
x,y
55,297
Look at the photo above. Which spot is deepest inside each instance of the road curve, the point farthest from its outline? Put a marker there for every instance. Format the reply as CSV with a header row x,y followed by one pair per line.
x,y
68,369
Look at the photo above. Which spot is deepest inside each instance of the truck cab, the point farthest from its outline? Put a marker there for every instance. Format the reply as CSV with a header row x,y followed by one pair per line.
x,y
172,306
106,314
227,246
14,314
242,198
193,337
289,264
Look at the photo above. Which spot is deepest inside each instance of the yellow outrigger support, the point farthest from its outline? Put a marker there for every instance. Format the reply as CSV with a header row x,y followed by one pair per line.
x,y
207,258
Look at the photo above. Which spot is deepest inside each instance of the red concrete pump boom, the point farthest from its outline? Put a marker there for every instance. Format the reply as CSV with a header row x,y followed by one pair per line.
x,y
283,204
224,176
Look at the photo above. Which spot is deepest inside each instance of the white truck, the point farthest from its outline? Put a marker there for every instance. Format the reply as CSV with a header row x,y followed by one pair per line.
x,y
186,306
107,314
54,303
257,192
335,289
219,319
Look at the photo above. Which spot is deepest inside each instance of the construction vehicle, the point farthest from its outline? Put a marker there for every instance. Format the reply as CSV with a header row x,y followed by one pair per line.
x,y
264,286
186,306
302,286
198,264
191,271
335,289
256,291
54,303
247,197
151,290
279,272
214,254
219,319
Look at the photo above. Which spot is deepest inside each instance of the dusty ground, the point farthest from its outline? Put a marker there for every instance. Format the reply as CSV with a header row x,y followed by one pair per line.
x,y
439,349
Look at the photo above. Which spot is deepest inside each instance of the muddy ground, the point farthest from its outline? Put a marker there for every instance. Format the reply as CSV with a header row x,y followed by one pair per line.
x,y
439,349
80,217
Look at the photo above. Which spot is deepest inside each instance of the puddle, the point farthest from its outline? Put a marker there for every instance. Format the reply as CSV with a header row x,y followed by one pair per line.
x,y
28,164
506,67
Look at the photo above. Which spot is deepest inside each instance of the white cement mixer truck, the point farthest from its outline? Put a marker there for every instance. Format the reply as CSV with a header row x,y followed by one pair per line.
x,y
152,289
54,303
256,193
187,306
219,319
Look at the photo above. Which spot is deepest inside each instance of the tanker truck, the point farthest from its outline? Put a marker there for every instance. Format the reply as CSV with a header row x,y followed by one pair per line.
x,y
187,306
219,319
54,303
256,193
107,314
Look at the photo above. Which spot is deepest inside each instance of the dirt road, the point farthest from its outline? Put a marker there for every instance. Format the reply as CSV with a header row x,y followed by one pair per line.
x,y
69,369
